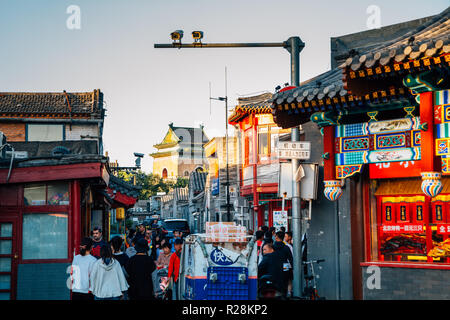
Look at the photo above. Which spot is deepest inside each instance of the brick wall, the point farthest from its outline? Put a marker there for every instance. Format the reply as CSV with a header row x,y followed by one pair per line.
x,y
14,132
408,284
42,281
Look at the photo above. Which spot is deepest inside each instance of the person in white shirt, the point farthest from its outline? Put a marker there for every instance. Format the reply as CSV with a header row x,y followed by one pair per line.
x,y
107,279
80,271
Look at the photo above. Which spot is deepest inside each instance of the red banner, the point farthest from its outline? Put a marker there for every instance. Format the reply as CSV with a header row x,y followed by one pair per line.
x,y
443,229
401,169
402,228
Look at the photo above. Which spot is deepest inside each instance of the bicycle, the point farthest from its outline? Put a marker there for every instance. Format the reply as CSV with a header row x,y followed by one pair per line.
x,y
310,292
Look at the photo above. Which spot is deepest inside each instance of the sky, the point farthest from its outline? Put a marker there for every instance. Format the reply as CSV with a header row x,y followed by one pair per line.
x,y
146,88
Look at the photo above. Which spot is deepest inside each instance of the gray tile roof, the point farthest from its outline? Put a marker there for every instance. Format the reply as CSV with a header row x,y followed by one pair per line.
x,y
329,90
197,181
43,103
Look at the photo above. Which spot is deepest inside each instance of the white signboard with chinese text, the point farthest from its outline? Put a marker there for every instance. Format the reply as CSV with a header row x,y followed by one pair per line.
x,y
294,150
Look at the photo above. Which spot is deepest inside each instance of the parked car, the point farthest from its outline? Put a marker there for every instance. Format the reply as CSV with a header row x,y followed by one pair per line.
x,y
171,225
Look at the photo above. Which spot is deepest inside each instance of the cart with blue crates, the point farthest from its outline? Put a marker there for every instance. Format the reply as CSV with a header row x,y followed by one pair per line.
x,y
218,269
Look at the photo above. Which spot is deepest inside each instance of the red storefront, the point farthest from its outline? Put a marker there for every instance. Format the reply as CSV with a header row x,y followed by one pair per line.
x,y
383,115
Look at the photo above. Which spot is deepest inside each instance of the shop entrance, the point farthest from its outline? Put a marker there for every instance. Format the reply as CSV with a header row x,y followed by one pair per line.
x,y
8,258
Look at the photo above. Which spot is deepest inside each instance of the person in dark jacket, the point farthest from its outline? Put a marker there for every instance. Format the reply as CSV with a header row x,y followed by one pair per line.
x,y
272,264
286,256
140,268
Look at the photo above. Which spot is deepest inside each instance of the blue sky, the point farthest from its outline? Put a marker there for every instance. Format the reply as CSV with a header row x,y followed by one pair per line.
x,y
146,88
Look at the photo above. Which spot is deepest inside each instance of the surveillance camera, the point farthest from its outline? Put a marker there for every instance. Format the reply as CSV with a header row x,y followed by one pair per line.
x,y
177,35
140,155
197,35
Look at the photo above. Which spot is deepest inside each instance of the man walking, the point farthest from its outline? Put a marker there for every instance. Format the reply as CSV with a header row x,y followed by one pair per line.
x,y
97,242
272,265
286,257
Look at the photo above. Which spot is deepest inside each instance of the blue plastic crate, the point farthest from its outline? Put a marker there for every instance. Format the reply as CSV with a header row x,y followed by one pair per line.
x,y
227,286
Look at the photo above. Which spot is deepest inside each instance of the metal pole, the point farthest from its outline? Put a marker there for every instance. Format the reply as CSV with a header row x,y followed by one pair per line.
x,y
295,45
226,141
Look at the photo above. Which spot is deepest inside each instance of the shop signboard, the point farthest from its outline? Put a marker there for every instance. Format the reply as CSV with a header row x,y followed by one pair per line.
x,y
294,150
280,219
402,169
215,186
403,228
443,229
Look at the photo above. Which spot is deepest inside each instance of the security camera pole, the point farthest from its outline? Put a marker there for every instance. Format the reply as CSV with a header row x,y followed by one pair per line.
x,y
293,45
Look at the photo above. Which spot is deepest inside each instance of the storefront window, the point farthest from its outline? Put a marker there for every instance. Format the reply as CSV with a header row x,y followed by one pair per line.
x,y
47,194
411,229
58,194
44,236
35,195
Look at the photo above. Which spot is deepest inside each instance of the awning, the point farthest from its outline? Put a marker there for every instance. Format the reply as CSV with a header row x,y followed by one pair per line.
x,y
389,187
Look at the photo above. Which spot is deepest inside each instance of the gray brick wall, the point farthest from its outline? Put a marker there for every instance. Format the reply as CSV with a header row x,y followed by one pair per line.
x,y
408,284
42,281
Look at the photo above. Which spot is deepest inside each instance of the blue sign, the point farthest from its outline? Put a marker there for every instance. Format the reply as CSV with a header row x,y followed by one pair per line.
x,y
219,258
215,187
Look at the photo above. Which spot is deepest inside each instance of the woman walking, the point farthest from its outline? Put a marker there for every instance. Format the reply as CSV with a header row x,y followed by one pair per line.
x,y
81,269
107,278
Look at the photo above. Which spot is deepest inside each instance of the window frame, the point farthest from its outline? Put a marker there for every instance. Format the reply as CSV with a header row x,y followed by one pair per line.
x,y
27,136
48,209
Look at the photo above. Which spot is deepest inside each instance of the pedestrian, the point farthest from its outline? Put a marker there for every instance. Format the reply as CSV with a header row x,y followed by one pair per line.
x,y
140,268
116,246
150,242
98,242
131,251
107,279
174,267
288,240
130,237
272,264
272,231
164,256
283,229
81,269
140,232
259,236
286,256
176,235
267,239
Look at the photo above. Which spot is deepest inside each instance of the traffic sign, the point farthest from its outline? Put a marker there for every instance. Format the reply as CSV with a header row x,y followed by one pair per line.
x,y
294,150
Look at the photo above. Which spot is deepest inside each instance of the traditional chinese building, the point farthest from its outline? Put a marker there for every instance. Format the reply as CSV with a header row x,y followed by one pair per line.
x,y
55,186
259,163
180,152
382,111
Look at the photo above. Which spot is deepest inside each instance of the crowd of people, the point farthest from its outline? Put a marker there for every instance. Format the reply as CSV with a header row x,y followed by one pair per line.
x,y
102,271
275,259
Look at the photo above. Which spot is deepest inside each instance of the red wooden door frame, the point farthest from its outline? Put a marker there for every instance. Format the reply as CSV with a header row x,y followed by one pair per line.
x,y
14,253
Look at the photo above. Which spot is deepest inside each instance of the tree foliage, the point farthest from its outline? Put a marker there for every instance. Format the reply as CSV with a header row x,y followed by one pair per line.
x,y
152,183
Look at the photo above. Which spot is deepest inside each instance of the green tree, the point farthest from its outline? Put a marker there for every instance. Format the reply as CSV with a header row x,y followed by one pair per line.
x,y
152,183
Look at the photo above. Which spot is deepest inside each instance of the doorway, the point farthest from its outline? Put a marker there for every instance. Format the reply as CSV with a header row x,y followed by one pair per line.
x,y
8,258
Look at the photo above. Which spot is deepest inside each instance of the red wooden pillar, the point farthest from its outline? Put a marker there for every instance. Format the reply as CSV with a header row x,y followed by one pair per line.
x,y
76,215
428,162
328,147
270,213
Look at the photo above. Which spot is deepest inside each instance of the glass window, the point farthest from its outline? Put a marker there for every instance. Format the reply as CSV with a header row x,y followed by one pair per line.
x,y
5,282
5,264
263,145
35,195
44,236
6,230
51,194
5,246
58,194
45,132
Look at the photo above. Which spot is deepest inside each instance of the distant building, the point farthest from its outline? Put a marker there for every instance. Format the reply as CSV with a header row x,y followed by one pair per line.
x,y
180,152
55,186
216,198
197,201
